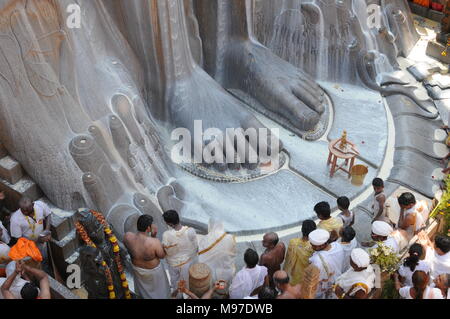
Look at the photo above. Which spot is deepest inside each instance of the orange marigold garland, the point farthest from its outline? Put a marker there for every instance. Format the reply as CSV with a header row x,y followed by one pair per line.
x,y
116,251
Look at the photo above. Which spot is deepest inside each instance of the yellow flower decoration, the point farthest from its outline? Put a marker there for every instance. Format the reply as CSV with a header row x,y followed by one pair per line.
x,y
113,239
116,249
123,276
110,288
112,295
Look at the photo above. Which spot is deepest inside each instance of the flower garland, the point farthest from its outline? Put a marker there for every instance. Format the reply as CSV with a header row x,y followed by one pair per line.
x,y
85,237
116,250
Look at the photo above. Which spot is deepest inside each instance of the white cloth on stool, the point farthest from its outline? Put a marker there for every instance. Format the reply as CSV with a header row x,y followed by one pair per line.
x,y
151,283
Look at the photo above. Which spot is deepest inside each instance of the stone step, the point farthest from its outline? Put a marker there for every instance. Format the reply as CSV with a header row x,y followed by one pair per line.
x,y
10,169
24,187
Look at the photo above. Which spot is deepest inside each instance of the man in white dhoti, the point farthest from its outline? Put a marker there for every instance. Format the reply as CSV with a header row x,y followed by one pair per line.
x,y
30,221
181,247
359,280
438,255
217,249
329,258
146,251
250,279
381,232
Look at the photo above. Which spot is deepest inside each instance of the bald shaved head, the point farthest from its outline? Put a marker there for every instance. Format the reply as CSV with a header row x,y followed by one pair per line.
x,y
26,205
281,277
270,240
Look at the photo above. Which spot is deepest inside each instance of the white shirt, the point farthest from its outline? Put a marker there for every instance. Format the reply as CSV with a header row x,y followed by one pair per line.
x,y
333,260
180,246
17,284
439,264
246,281
346,220
348,247
24,226
406,272
429,293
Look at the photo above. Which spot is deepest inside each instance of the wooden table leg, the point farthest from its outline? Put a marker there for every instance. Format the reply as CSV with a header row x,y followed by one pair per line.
x,y
330,155
333,166
352,162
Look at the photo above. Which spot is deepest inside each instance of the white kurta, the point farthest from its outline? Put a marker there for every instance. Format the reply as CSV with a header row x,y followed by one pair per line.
x,y
330,267
352,277
347,248
246,281
151,283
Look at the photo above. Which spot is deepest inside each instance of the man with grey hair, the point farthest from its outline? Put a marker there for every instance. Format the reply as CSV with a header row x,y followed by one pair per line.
x,y
274,254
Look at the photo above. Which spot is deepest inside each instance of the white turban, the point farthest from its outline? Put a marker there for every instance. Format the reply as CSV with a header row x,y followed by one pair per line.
x,y
381,228
360,258
318,237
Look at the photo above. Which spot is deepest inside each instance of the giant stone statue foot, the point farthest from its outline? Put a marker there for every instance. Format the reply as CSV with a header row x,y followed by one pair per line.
x,y
198,97
284,92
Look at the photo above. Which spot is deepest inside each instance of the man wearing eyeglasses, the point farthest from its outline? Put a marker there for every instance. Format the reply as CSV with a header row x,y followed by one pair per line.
x,y
32,221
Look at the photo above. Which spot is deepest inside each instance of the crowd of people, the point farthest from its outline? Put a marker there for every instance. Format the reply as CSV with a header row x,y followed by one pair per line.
x,y
161,268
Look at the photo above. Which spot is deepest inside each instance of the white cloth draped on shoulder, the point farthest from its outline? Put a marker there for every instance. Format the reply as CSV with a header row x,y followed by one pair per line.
x,y
217,249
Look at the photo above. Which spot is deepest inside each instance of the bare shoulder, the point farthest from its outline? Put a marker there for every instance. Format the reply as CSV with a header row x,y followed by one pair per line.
x,y
128,237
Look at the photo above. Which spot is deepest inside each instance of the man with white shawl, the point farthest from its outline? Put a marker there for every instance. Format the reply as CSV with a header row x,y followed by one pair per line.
x,y
181,247
250,279
329,258
359,280
217,249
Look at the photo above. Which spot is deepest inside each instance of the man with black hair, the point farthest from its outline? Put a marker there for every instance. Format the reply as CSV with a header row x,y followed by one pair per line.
x,y
250,279
181,247
412,214
29,290
273,256
146,251
347,216
378,200
281,279
331,224
438,255
298,253
267,292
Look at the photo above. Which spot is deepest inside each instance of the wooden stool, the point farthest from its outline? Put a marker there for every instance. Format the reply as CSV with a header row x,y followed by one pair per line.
x,y
335,153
